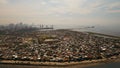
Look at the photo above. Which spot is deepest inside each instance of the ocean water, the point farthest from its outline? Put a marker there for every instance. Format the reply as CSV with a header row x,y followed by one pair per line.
x,y
108,65
109,30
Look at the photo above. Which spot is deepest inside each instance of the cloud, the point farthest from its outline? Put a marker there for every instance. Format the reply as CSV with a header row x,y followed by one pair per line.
x,y
57,10
59,7
83,7
55,7
3,2
114,11
113,7
72,6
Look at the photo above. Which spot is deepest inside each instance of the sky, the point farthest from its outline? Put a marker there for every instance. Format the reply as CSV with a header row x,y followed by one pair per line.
x,y
60,12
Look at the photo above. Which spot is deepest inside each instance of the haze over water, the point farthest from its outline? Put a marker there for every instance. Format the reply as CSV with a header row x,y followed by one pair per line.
x,y
61,12
64,14
103,14
108,30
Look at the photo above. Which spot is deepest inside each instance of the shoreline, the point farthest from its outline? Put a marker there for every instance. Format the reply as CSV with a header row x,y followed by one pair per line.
x,y
82,63
97,33
104,35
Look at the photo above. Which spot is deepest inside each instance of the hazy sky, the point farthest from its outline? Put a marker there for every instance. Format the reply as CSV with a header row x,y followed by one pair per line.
x,y
72,12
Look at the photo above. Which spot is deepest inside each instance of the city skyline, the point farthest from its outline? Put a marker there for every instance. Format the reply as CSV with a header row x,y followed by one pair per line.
x,y
68,12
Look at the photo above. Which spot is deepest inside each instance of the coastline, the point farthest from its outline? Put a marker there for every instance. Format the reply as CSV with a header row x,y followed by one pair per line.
x,y
104,35
82,63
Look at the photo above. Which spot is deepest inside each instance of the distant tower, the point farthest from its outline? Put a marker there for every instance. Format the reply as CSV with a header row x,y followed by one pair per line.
x,y
52,26
47,26
42,26
20,23
32,24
